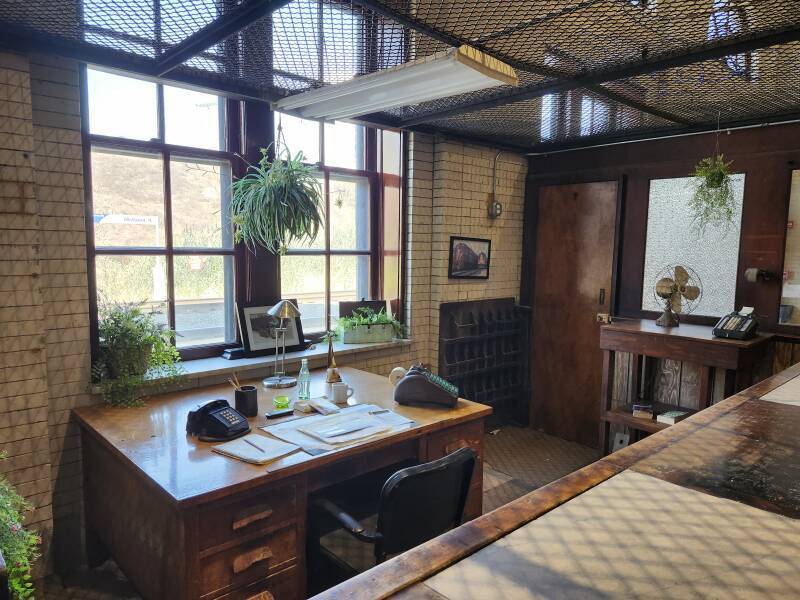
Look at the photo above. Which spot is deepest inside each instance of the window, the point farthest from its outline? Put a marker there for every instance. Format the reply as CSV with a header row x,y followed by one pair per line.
x,y
357,256
726,21
672,240
160,182
789,313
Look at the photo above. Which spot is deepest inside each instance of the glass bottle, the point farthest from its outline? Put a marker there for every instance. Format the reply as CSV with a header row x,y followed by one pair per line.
x,y
304,381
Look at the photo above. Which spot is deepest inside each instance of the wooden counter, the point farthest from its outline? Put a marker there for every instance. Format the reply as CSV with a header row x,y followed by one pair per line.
x,y
708,507
185,522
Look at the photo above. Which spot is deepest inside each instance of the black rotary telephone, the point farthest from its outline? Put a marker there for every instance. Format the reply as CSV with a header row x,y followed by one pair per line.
x,y
216,421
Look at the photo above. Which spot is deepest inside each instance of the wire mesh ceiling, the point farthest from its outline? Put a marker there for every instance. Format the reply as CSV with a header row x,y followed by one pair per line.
x,y
589,70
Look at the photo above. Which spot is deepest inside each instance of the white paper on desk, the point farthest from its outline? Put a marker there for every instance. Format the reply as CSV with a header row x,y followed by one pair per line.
x,y
263,451
363,426
290,432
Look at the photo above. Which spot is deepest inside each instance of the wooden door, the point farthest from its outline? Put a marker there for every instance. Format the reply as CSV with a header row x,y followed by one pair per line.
x,y
574,262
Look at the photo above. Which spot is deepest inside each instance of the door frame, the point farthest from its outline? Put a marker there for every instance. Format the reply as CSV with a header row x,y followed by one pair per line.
x,y
530,237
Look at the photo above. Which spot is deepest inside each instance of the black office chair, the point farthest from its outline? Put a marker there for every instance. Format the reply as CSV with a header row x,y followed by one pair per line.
x,y
416,504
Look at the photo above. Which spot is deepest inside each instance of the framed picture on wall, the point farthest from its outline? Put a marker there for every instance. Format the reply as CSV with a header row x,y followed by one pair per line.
x,y
258,330
469,258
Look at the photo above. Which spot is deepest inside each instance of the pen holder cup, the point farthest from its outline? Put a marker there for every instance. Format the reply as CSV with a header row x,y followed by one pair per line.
x,y
247,400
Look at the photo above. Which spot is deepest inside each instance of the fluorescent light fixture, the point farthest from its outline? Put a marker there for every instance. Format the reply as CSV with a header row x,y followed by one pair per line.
x,y
447,73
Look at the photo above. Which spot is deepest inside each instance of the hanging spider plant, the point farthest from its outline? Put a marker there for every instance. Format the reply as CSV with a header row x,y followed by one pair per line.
x,y
713,202
277,203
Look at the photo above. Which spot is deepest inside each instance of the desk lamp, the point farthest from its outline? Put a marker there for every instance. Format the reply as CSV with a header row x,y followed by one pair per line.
x,y
283,311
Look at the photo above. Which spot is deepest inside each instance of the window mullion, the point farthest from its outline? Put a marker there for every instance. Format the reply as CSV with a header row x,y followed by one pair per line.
x,y
168,239
327,250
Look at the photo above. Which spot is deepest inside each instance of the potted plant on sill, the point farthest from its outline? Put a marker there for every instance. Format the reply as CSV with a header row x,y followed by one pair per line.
x,y
277,202
366,326
19,546
137,356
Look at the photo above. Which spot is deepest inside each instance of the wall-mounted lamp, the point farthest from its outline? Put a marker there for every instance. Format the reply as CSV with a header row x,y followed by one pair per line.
x,y
495,208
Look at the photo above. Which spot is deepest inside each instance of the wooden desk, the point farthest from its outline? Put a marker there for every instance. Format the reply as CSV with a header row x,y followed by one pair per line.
x,y
689,343
184,522
661,518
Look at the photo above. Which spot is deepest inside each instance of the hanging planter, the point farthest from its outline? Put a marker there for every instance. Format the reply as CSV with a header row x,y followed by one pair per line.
x,y
277,203
713,202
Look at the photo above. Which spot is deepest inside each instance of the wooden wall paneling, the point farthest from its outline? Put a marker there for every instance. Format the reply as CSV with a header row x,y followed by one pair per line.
x,y
690,386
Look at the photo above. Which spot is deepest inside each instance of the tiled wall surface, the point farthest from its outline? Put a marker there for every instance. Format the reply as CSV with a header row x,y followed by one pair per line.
x,y
45,363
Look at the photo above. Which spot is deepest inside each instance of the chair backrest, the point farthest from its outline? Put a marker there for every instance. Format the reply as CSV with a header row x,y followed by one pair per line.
x,y
420,502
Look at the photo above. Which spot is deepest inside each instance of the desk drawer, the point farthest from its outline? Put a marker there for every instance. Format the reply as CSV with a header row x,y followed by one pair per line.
x,y
235,520
243,564
469,435
285,585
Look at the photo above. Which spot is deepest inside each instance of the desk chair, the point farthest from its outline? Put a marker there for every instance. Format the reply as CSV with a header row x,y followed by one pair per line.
x,y
416,504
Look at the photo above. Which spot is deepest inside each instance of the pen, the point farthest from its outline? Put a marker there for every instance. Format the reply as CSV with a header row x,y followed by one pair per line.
x,y
254,445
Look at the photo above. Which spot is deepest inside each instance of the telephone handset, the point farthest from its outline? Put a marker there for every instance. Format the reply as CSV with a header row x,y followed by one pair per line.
x,y
420,386
216,421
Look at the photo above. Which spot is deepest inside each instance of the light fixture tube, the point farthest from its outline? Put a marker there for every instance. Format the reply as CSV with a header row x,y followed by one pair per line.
x,y
453,71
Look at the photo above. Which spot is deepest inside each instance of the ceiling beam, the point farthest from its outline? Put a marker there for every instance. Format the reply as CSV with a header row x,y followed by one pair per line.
x,y
216,31
715,50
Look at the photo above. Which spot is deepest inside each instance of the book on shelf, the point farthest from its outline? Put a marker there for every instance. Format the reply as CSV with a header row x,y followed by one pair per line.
x,y
671,417
643,411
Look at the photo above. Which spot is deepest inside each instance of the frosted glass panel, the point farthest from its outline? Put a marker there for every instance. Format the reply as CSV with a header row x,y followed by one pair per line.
x,y
790,295
672,240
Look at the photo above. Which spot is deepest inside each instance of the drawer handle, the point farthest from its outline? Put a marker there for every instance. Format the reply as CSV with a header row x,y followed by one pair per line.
x,y
265,595
245,517
248,559
456,445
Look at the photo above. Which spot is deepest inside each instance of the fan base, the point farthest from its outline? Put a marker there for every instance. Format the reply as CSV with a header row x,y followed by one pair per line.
x,y
668,319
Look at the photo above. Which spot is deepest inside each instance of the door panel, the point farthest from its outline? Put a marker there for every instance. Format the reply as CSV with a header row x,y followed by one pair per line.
x,y
574,261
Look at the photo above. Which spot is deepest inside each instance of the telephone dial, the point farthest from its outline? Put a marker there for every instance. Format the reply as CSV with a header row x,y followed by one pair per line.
x,y
216,421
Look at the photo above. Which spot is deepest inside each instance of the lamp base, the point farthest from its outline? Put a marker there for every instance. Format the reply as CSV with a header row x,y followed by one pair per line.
x,y
280,381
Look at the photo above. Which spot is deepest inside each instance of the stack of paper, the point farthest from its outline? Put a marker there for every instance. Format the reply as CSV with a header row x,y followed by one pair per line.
x,y
344,429
256,449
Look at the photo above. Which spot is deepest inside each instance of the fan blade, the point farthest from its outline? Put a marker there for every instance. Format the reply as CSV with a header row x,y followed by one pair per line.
x,y
691,292
665,287
681,276
676,302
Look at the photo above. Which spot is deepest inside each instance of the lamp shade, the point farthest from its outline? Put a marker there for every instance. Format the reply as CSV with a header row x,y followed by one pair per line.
x,y
284,310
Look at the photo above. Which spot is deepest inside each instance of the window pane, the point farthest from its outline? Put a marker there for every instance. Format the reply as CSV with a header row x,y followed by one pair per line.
x,y
391,152
391,240
319,241
349,281
672,240
349,205
300,135
128,198
200,200
204,300
133,280
303,278
194,119
344,145
122,106
790,296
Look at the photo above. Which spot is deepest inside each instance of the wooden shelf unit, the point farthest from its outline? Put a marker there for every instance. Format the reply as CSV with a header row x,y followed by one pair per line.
x,y
687,343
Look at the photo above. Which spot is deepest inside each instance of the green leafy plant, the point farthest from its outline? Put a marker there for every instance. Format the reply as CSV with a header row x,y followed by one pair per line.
x,y
277,203
19,545
137,356
367,316
713,201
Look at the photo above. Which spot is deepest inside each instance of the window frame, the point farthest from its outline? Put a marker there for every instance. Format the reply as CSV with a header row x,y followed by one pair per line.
x,y
373,173
157,146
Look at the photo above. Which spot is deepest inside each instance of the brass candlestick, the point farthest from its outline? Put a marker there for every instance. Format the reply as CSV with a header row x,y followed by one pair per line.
x,y
332,374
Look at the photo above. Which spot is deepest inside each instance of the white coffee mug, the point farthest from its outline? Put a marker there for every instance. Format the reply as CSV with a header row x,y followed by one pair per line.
x,y
340,392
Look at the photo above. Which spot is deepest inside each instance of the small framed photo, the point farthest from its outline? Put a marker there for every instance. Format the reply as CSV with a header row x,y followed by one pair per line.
x,y
469,258
258,331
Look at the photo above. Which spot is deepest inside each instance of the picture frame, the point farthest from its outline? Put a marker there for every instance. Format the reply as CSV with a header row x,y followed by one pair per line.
x,y
468,258
257,330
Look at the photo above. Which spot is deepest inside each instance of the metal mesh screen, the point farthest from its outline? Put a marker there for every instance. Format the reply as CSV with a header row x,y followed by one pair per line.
x,y
573,58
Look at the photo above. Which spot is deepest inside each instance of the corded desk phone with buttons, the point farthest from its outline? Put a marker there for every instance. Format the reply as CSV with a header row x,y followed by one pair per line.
x,y
216,421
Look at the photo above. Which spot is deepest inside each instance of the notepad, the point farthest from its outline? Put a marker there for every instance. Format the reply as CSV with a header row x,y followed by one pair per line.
x,y
255,449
